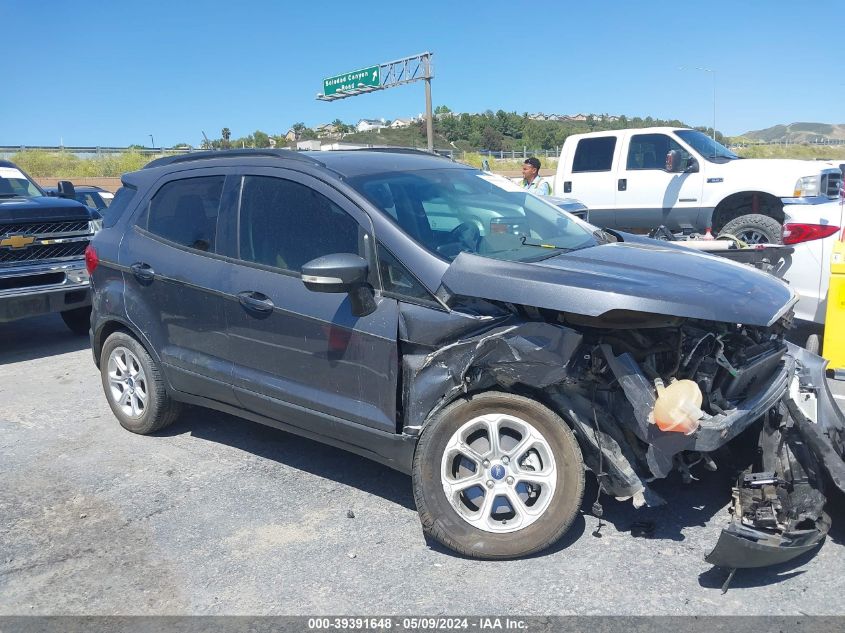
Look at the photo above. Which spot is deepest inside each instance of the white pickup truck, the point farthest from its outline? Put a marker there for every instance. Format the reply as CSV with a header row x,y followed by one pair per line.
x,y
643,178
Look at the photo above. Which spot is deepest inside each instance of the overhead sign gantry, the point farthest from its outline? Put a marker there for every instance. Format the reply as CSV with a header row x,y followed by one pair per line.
x,y
387,75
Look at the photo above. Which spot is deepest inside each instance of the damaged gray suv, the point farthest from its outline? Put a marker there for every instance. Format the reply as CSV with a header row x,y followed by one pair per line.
x,y
425,315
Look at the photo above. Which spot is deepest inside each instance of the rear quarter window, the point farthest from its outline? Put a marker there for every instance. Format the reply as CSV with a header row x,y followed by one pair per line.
x,y
594,154
114,211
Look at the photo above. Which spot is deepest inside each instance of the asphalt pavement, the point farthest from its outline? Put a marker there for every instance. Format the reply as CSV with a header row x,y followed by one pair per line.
x,y
217,515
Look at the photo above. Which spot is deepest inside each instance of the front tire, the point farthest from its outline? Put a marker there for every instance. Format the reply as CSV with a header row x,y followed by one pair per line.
x,y
134,386
755,228
497,476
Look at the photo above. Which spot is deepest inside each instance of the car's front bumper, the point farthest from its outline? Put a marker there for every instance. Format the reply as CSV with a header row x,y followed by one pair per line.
x,y
800,442
812,200
27,291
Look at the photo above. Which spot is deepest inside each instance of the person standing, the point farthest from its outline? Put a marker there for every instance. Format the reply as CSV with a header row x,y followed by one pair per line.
x,y
531,180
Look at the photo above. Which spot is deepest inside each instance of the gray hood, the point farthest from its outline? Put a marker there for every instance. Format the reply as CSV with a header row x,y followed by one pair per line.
x,y
628,276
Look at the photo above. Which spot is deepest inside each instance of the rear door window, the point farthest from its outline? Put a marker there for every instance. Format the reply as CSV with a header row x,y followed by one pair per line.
x,y
185,212
594,154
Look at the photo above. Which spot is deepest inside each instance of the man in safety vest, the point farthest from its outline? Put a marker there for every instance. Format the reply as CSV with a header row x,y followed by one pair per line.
x,y
531,180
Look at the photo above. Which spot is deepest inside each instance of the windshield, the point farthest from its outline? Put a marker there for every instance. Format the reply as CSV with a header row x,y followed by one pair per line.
x,y
13,183
452,211
706,146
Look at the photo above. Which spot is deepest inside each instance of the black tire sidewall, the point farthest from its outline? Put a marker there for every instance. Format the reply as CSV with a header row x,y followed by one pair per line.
x,y
443,520
146,423
757,221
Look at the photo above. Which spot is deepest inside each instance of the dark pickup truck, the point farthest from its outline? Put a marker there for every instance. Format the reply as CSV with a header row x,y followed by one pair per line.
x,y
42,251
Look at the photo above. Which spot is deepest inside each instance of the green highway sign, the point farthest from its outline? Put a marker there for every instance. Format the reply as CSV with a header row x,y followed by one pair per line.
x,y
355,79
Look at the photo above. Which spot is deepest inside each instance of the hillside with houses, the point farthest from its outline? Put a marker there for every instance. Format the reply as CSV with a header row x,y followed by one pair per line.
x,y
466,131
461,131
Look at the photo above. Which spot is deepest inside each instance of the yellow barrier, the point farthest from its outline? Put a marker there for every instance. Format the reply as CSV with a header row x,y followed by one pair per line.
x,y
834,328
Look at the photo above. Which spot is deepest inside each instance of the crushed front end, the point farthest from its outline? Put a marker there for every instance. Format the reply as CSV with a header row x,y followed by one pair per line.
x,y
778,511
603,376
749,378
604,335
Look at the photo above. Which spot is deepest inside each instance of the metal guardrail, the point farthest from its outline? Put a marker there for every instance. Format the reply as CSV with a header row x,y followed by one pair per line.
x,y
508,154
89,152
151,151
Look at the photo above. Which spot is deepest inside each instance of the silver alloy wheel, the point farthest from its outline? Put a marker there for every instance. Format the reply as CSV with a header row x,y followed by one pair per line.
x,y
127,382
498,473
751,236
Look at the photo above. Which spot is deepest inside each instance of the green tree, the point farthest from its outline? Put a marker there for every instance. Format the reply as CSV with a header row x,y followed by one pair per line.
x,y
341,127
226,133
491,138
260,139
442,109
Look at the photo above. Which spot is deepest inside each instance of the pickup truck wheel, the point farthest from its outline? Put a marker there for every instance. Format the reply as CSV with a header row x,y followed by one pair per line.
x,y
497,476
78,320
755,228
134,386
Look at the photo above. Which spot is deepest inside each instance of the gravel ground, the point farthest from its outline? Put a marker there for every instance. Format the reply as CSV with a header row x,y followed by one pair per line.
x,y
221,516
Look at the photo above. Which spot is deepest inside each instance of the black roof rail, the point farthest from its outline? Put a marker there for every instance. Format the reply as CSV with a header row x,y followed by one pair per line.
x,y
393,150
231,153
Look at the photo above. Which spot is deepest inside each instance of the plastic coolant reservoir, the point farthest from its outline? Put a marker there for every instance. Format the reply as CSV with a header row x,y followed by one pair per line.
x,y
678,406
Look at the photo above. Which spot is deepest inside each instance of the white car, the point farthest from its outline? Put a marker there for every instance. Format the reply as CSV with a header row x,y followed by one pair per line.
x,y
811,230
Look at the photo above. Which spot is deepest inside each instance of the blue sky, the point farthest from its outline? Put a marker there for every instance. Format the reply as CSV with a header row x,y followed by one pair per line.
x,y
111,73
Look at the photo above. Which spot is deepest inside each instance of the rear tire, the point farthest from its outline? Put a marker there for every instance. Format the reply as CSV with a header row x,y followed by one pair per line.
x,y
134,386
755,228
531,476
78,320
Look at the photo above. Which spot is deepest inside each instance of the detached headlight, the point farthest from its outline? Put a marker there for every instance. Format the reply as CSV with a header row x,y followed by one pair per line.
x,y
95,225
807,187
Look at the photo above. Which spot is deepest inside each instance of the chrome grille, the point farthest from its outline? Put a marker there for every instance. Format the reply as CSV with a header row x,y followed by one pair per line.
x,y
38,252
41,228
831,184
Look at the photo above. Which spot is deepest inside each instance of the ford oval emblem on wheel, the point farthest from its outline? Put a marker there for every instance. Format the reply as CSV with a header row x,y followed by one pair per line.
x,y
497,472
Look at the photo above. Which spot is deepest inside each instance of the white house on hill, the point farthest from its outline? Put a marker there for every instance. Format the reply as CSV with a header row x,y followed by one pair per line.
x,y
367,125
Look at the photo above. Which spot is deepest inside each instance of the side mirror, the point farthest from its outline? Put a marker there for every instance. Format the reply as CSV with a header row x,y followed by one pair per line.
x,y
66,189
341,272
674,162
692,167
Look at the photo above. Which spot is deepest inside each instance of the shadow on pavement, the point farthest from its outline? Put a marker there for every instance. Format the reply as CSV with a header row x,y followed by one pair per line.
x,y
38,337
297,452
715,577
687,505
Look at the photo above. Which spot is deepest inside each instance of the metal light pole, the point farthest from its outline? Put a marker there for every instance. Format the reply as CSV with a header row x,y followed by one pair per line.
x,y
712,72
153,141
429,125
